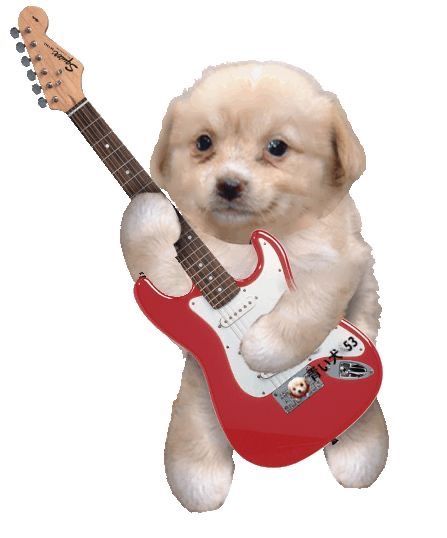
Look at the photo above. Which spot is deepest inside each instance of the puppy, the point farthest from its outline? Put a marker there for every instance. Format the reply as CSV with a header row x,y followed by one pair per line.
x,y
260,145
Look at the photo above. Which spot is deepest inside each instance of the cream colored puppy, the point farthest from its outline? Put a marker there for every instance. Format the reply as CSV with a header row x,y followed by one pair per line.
x,y
260,145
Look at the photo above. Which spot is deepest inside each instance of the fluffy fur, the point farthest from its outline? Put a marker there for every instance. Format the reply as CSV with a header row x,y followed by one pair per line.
x,y
302,198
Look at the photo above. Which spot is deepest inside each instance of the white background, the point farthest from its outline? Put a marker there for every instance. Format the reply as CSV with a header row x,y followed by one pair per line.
x,y
86,383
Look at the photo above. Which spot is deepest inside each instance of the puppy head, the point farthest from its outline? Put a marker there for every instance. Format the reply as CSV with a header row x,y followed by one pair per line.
x,y
256,145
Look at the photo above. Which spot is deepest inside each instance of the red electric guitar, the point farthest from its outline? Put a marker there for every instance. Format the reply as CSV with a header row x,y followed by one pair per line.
x,y
270,419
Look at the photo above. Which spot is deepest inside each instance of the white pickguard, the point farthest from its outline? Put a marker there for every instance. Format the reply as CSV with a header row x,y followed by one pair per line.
x,y
264,293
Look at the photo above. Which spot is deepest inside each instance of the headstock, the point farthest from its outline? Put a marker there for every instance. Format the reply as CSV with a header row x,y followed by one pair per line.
x,y
57,71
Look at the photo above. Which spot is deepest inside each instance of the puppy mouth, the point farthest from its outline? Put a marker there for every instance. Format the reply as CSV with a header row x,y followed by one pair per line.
x,y
239,210
232,208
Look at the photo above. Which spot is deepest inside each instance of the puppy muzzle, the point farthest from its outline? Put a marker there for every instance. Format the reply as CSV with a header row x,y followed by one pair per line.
x,y
230,188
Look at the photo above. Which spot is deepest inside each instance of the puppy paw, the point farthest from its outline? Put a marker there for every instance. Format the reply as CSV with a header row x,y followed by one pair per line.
x,y
264,350
150,215
200,485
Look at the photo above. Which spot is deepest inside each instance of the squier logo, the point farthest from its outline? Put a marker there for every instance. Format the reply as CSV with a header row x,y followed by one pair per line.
x,y
69,65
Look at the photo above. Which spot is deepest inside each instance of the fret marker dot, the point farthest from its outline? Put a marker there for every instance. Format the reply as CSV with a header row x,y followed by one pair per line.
x,y
107,146
200,264
210,278
127,172
219,289
189,236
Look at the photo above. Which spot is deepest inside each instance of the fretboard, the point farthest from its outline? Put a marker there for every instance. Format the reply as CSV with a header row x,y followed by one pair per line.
x,y
216,284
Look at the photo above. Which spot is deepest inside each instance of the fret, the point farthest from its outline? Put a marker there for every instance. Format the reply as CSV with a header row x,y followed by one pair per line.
x,y
198,253
113,153
127,162
137,174
142,187
89,125
131,191
205,275
189,244
106,142
205,285
94,131
217,286
203,268
102,138
194,256
118,159
139,191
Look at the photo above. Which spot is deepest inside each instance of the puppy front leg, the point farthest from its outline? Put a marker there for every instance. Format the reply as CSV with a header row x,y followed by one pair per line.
x,y
149,229
198,457
360,454
299,322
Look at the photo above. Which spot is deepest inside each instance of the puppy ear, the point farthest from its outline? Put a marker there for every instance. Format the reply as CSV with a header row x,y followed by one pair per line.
x,y
350,160
161,151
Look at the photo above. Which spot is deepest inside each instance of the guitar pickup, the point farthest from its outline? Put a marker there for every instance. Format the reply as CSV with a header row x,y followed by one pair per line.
x,y
236,311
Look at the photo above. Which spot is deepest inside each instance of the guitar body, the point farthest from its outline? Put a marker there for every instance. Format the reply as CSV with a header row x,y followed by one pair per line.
x,y
265,422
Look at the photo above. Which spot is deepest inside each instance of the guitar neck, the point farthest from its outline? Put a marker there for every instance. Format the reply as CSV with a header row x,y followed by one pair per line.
x,y
216,284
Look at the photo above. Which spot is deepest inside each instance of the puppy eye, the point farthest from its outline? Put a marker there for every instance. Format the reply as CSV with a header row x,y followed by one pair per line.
x,y
277,147
204,142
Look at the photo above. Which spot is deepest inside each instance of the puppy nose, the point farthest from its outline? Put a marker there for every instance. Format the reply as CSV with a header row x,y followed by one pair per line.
x,y
229,188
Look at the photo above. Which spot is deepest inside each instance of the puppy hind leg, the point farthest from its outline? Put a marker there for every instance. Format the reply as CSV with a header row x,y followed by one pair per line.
x,y
360,454
198,458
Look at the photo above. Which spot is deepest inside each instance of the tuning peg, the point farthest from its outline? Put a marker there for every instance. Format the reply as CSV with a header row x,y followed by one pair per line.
x,y
36,88
42,102
25,61
20,47
14,32
31,74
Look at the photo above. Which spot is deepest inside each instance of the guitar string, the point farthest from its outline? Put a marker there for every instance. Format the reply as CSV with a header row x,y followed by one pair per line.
x,y
111,134
239,324
86,122
236,328
224,311
119,162
90,124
